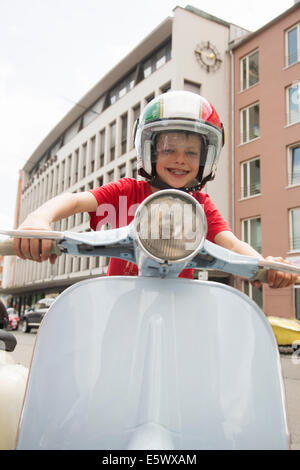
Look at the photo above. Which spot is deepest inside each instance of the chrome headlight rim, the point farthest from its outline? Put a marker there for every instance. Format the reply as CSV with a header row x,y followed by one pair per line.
x,y
174,193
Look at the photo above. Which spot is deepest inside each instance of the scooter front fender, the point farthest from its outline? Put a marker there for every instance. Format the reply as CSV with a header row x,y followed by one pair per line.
x,y
136,363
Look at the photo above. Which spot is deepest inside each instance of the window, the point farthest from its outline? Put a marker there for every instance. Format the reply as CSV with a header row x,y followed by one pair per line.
x,y
110,176
149,98
192,86
102,148
254,293
165,88
69,170
99,181
72,131
295,229
124,121
250,175
92,154
294,165
112,141
122,88
89,116
76,164
251,232
134,169
293,103
249,71
122,171
136,111
250,123
292,45
156,60
83,168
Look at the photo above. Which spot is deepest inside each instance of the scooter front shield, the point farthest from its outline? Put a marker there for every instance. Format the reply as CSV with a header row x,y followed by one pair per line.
x,y
136,363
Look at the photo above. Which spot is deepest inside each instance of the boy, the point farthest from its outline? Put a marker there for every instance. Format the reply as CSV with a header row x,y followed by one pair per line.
x,y
178,141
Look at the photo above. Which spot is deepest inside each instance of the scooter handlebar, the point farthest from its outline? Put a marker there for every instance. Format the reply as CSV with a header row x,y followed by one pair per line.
x,y
265,266
7,248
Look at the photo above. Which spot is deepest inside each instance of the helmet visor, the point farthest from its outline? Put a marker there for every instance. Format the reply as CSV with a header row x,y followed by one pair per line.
x,y
189,146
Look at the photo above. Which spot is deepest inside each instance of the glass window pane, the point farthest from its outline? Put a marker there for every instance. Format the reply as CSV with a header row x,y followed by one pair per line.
x,y
244,74
89,116
257,296
136,112
255,234
245,231
253,69
161,58
292,46
246,287
245,180
254,177
72,131
147,68
244,126
192,86
295,166
294,107
124,127
296,229
254,122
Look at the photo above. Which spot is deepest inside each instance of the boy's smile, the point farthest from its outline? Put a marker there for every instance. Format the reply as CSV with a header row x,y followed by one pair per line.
x,y
178,158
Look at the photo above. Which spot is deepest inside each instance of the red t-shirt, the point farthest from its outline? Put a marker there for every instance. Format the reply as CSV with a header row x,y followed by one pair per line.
x,y
117,203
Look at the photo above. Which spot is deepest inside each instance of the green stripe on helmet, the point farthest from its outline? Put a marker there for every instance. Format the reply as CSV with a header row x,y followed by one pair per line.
x,y
153,112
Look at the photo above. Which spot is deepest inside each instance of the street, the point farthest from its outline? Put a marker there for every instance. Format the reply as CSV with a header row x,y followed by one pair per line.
x,y
290,371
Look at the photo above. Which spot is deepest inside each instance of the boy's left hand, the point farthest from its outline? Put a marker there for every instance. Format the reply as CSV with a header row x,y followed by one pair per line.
x,y
278,279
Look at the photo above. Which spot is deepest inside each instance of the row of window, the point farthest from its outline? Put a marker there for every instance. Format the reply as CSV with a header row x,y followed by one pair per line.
x,y
65,265
251,173
54,184
143,70
257,295
249,65
251,231
250,116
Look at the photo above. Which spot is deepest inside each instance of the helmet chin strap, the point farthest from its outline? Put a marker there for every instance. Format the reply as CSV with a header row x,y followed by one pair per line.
x,y
158,183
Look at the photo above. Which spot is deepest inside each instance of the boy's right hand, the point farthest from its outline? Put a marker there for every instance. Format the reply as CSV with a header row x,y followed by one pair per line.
x,y
34,249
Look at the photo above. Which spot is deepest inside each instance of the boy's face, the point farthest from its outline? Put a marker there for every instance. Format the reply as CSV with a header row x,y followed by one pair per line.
x,y
178,158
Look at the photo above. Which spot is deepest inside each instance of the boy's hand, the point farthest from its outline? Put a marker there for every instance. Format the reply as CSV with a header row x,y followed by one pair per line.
x,y
34,249
278,279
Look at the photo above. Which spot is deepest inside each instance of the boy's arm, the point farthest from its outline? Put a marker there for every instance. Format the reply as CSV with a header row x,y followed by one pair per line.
x,y
58,208
275,278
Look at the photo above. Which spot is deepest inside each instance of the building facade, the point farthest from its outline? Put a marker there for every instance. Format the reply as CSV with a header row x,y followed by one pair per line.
x,y
93,144
265,149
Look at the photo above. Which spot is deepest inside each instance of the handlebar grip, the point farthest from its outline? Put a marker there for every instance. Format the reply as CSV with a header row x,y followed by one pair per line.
x,y
261,275
7,248
265,266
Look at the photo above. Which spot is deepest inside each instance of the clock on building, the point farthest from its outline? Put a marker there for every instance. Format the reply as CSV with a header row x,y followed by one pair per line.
x,y
208,56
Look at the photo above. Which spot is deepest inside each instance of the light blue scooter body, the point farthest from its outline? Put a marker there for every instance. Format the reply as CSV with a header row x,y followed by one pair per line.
x,y
135,363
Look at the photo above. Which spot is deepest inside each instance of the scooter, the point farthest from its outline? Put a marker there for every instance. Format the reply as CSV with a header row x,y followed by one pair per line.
x,y
163,363
13,378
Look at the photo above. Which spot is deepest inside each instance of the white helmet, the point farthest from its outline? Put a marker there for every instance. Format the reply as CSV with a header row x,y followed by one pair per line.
x,y
179,111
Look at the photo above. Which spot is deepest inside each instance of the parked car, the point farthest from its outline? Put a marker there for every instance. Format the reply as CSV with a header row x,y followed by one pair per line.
x,y
13,318
3,316
33,318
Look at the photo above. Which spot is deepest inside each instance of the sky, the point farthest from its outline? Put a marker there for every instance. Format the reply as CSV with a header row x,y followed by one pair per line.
x,y
53,51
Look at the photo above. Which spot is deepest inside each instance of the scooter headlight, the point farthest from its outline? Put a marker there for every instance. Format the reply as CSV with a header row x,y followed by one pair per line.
x,y
170,226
